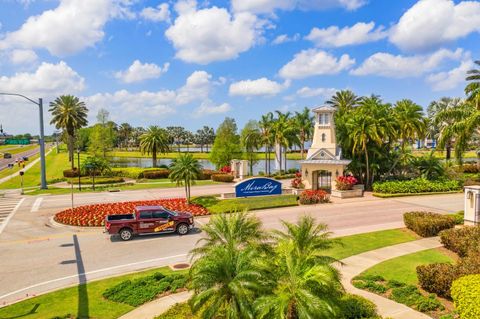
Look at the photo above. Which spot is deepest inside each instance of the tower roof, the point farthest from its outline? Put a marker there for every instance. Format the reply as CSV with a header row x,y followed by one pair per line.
x,y
324,108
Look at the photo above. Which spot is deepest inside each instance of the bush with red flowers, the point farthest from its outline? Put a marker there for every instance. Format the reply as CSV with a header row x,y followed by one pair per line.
x,y
94,215
345,183
226,169
297,181
308,197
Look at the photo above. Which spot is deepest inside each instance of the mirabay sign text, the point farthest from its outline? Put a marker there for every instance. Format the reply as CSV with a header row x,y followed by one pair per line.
x,y
258,187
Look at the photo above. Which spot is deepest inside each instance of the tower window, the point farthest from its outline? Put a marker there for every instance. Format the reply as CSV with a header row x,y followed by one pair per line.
x,y
323,119
324,137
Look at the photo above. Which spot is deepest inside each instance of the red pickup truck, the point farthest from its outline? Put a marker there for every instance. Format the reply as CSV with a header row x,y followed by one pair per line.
x,y
148,220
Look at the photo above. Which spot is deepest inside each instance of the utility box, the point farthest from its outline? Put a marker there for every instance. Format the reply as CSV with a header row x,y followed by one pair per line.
x,y
472,205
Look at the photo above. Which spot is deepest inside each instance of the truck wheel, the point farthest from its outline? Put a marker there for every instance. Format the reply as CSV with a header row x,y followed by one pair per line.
x,y
182,229
126,234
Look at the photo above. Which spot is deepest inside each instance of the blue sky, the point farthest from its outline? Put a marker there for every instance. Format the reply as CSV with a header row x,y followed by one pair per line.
x,y
192,63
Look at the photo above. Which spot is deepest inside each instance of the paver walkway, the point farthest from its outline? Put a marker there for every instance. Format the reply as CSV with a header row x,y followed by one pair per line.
x,y
352,266
154,308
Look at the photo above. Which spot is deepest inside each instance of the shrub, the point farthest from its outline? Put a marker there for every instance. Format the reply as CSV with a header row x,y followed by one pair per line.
x,y
344,183
206,174
356,307
284,176
98,180
297,181
419,185
427,224
437,278
308,197
138,291
470,168
178,311
225,178
227,169
458,216
69,173
466,295
430,303
154,174
461,240
408,295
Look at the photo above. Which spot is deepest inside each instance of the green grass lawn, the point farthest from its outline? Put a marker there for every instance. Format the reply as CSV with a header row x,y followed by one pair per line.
x,y
360,243
442,154
216,206
403,268
63,302
55,165
15,149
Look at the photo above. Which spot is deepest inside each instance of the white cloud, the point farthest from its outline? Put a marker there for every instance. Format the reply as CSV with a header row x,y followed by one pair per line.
x,y
269,6
283,38
444,81
197,87
399,66
158,14
307,92
213,34
49,80
357,34
69,28
259,87
139,72
314,62
124,105
208,107
23,56
432,23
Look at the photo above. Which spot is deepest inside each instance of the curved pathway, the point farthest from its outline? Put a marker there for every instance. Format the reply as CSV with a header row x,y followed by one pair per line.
x,y
355,265
352,266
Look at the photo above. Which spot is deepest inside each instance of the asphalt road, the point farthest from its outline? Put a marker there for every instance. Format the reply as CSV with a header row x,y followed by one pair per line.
x,y
5,161
37,257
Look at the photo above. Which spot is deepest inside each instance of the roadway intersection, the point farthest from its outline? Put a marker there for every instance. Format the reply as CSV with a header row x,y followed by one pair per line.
x,y
38,256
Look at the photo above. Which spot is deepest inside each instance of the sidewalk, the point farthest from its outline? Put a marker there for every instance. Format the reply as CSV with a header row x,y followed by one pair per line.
x,y
156,307
354,265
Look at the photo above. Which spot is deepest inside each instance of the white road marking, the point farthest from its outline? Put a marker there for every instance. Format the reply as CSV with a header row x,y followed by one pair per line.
x,y
5,222
36,204
91,272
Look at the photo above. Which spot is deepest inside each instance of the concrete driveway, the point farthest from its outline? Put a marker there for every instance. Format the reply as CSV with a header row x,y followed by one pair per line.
x,y
37,257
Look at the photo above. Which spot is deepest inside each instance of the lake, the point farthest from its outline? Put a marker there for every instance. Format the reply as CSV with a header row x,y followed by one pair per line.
x,y
206,164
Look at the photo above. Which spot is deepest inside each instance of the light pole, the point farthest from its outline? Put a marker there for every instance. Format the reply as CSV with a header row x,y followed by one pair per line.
x,y
79,174
41,141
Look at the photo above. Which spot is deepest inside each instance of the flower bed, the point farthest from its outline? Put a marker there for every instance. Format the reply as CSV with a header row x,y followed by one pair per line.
x,y
345,183
308,197
94,215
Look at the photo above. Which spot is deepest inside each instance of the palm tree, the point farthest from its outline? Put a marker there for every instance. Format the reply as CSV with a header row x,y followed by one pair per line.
x,y
440,119
185,170
304,125
251,140
125,131
222,277
410,121
267,137
69,114
153,141
300,281
473,88
283,129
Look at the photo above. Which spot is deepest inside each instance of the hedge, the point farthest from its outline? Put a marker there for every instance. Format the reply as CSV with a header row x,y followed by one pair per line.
x,y
428,224
470,168
98,180
356,307
226,178
466,295
69,173
155,174
206,174
437,278
461,240
419,185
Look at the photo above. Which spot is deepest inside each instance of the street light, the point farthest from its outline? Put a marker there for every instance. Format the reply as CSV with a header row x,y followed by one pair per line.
x,y
41,141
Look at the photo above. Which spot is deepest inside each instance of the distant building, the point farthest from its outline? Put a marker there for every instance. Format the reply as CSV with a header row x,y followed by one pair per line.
x,y
4,136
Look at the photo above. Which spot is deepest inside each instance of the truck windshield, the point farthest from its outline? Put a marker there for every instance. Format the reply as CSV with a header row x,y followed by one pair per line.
x,y
171,212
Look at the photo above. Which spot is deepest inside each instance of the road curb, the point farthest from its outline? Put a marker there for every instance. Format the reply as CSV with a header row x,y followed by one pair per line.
x,y
55,224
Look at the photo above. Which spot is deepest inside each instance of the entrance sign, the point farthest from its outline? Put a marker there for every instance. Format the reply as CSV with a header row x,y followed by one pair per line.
x,y
260,186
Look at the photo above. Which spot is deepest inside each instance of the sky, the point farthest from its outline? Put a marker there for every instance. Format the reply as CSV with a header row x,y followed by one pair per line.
x,y
192,63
